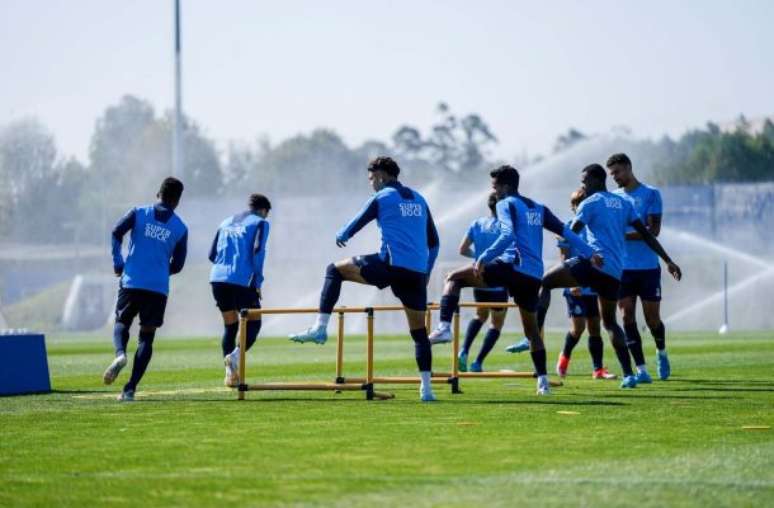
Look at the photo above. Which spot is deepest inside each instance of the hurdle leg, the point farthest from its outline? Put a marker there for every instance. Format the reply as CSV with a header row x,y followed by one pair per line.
x,y
242,353
455,378
369,384
428,319
340,350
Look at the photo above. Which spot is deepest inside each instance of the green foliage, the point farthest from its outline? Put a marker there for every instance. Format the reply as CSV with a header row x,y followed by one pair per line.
x,y
188,442
714,156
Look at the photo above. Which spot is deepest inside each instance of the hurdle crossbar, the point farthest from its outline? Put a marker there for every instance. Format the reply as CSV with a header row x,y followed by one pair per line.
x,y
452,378
366,384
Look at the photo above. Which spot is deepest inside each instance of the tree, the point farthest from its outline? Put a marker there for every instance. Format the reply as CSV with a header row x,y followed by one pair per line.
x,y
38,192
457,145
565,141
27,154
131,153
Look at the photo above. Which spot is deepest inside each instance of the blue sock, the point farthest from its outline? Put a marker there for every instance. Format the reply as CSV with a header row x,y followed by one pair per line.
x,y
489,342
228,342
331,289
470,335
142,358
449,307
422,349
253,327
120,337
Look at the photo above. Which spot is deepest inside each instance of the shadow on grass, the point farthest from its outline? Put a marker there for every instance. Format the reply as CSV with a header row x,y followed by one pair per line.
x,y
663,396
80,392
721,381
722,389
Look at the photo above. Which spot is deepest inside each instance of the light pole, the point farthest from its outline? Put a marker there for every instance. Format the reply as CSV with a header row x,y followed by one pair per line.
x,y
177,135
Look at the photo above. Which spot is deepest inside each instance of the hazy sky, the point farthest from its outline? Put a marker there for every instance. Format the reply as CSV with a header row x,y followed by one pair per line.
x,y
531,69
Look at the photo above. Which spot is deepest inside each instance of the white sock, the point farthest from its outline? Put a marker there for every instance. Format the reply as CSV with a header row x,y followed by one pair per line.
x,y
642,368
444,325
235,353
322,320
661,352
426,385
543,380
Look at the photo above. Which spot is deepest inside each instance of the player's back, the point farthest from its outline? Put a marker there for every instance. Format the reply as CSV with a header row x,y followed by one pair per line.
x,y
403,216
607,217
572,252
236,244
525,218
483,232
155,234
646,201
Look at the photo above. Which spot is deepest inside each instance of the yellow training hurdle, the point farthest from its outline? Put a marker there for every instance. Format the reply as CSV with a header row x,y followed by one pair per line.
x,y
367,383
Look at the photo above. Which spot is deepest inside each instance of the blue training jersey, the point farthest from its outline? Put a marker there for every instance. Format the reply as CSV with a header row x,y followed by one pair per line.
x,y
573,252
157,247
646,201
239,250
482,233
409,237
607,217
521,237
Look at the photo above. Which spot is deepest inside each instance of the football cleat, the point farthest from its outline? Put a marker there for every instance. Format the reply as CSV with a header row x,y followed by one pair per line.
x,y
543,386
643,377
476,367
312,334
462,362
232,370
441,335
111,373
663,368
126,396
519,347
561,366
629,382
426,395
603,374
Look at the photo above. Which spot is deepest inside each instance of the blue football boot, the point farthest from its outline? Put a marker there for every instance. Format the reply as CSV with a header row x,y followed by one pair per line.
x,y
519,347
629,382
316,335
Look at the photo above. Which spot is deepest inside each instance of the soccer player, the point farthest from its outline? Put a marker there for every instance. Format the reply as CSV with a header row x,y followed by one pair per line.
x,y
409,248
642,274
237,256
514,261
157,249
607,217
582,309
481,234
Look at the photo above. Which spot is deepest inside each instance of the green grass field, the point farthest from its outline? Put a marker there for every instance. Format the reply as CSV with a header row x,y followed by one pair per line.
x,y
186,441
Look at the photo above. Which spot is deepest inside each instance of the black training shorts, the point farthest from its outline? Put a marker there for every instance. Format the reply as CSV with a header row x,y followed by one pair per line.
x,y
408,286
234,297
150,305
606,286
643,283
523,288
